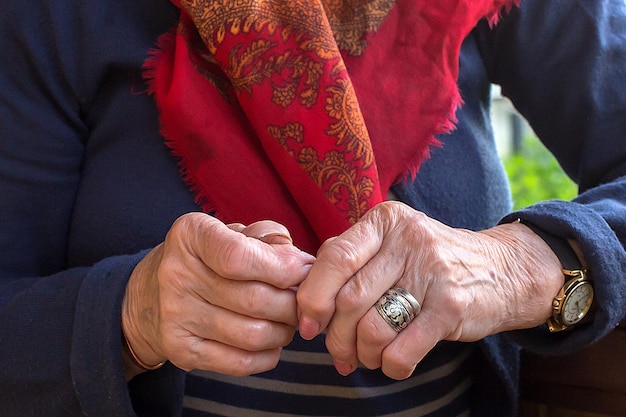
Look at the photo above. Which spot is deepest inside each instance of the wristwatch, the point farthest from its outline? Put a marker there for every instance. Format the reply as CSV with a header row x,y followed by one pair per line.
x,y
574,299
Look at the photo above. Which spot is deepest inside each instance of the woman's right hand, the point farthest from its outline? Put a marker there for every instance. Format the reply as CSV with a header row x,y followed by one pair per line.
x,y
215,297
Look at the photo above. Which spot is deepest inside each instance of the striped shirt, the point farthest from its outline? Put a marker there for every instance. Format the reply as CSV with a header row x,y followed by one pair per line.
x,y
305,383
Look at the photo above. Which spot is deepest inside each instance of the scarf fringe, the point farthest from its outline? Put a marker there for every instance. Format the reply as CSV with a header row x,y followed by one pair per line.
x,y
183,119
167,42
505,7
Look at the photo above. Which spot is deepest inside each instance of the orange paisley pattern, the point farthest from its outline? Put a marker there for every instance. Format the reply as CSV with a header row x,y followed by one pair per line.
x,y
286,54
345,183
257,104
349,20
343,106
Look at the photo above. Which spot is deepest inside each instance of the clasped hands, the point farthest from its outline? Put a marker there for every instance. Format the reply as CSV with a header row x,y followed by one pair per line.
x,y
227,298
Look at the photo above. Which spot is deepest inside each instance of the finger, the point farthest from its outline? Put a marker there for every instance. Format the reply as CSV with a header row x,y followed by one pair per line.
x,y
357,297
337,261
269,232
236,227
235,256
214,356
252,298
195,317
412,344
240,331
375,333
373,337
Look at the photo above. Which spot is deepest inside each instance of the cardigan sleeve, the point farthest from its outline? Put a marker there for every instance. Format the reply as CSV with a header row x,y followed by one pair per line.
x,y
60,342
563,65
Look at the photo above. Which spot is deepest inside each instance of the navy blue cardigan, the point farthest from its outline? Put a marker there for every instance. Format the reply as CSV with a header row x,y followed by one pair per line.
x,y
87,185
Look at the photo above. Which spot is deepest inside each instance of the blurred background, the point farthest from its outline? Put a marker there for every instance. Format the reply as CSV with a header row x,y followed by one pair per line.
x,y
533,172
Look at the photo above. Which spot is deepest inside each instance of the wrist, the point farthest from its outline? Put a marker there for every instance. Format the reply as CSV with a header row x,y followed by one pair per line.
x,y
531,275
572,303
133,364
138,355
139,321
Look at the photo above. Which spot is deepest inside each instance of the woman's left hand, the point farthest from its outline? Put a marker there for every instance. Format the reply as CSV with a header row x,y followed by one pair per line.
x,y
469,284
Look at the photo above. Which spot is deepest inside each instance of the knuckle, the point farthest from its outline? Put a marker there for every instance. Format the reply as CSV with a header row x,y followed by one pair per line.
x,y
371,331
396,365
256,336
233,258
183,355
386,210
184,224
243,365
311,303
456,303
341,254
248,363
180,224
256,300
350,296
337,349
389,213
455,298
420,227
172,270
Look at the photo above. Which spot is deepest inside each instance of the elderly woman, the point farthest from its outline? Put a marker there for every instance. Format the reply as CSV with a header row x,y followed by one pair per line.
x,y
199,216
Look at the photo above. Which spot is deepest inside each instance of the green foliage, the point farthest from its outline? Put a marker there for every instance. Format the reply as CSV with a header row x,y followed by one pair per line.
x,y
535,175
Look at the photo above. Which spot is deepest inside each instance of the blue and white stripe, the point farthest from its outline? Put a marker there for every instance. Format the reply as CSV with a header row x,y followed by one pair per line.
x,y
306,384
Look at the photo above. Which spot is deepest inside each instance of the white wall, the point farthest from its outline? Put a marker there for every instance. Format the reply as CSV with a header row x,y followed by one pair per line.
x,y
504,116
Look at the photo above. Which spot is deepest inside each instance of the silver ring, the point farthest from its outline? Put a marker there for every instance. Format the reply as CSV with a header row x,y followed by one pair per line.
x,y
398,307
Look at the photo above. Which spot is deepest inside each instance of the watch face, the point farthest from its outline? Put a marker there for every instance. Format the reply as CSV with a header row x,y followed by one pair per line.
x,y
577,303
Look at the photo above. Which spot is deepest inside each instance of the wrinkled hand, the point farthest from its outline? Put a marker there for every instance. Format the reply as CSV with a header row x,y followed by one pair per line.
x,y
215,297
470,285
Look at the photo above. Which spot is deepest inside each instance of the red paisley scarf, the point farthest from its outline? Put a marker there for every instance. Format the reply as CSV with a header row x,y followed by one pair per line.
x,y
306,112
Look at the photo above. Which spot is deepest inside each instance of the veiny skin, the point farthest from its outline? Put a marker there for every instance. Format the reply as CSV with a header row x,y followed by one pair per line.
x,y
223,297
215,297
470,285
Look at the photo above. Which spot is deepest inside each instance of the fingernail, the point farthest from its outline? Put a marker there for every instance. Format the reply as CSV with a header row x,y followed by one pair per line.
x,y
344,368
309,328
276,238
